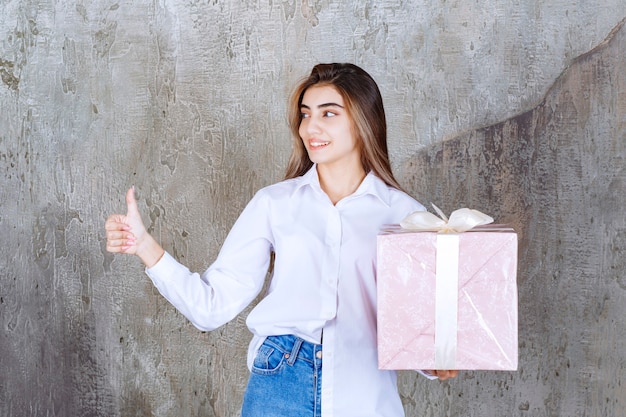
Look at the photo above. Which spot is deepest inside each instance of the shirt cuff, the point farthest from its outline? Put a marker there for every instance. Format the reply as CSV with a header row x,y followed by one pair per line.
x,y
164,268
427,375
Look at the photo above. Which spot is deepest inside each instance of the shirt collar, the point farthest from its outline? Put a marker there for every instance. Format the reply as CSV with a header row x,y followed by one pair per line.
x,y
371,184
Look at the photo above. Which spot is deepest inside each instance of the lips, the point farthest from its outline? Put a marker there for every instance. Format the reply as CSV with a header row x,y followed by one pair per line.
x,y
316,144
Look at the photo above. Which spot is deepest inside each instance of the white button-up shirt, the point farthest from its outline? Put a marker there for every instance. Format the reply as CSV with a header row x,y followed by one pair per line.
x,y
324,279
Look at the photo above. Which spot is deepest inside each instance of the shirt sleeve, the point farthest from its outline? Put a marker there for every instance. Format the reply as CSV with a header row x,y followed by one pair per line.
x,y
216,296
427,374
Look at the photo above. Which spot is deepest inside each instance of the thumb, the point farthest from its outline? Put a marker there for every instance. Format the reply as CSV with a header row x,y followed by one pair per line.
x,y
131,202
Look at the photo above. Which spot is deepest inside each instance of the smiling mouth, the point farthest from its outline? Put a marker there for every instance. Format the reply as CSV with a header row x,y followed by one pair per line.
x,y
316,144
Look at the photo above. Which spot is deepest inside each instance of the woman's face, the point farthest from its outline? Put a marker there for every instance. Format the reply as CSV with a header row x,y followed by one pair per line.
x,y
326,128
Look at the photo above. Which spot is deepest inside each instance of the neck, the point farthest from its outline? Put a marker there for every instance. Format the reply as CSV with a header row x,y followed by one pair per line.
x,y
340,182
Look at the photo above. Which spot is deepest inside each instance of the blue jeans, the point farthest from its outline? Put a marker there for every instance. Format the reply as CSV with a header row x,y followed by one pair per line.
x,y
286,379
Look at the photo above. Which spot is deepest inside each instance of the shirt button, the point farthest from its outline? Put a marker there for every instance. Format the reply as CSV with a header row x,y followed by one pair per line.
x,y
318,355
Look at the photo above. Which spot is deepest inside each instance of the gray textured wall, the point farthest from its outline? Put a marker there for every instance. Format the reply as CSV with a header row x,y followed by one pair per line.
x,y
516,108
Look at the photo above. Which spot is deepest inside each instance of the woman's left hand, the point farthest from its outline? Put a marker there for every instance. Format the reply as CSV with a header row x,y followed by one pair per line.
x,y
443,374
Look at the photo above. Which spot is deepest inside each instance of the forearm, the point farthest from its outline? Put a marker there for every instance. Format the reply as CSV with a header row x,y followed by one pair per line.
x,y
149,251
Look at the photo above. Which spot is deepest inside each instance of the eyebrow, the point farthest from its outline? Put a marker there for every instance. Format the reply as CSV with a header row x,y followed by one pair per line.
x,y
321,106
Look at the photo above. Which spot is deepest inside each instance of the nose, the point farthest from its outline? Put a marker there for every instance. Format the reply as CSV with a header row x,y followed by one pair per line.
x,y
310,125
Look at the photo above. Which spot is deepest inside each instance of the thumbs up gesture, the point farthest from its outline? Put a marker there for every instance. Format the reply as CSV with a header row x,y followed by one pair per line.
x,y
126,233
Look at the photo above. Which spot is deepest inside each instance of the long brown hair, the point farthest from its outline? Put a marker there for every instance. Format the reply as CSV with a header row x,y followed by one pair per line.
x,y
363,103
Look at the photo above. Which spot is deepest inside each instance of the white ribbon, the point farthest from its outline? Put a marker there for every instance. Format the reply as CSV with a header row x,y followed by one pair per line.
x,y
460,221
446,300
447,273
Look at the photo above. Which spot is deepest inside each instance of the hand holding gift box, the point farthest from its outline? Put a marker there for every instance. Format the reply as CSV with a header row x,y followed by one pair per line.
x,y
447,293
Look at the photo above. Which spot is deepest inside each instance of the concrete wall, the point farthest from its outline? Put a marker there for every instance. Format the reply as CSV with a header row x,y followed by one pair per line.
x,y
516,108
557,174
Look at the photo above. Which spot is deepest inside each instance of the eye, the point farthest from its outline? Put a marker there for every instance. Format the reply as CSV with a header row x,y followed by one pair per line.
x,y
304,115
329,113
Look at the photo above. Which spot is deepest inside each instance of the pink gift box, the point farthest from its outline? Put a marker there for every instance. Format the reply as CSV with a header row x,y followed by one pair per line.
x,y
486,319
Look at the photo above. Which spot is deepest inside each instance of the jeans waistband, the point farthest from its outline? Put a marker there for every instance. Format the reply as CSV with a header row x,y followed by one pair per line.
x,y
295,347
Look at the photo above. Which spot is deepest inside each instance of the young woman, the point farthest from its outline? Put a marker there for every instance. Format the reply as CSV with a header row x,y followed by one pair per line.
x,y
313,351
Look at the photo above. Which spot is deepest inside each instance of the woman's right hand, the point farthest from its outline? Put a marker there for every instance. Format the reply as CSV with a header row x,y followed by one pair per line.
x,y
126,233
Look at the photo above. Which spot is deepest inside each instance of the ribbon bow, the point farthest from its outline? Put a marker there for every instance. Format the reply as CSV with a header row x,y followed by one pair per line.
x,y
460,221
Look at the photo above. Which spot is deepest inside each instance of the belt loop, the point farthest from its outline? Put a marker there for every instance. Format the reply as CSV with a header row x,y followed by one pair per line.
x,y
294,351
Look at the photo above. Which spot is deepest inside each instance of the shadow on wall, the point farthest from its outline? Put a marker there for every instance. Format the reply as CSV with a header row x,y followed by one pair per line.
x,y
557,174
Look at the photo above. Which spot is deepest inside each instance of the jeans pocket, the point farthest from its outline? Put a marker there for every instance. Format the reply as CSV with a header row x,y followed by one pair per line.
x,y
268,361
